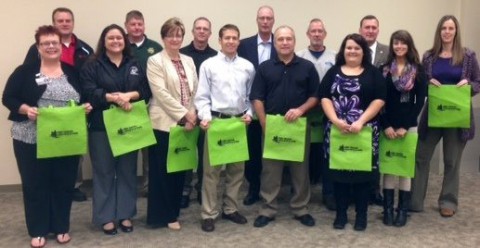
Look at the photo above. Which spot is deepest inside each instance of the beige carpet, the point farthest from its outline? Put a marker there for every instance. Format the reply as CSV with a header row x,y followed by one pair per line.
x,y
425,229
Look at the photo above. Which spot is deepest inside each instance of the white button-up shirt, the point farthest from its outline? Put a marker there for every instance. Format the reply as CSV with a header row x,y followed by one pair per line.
x,y
224,86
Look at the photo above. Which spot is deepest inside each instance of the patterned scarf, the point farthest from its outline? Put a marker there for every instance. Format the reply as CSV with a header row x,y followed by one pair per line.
x,y
403,82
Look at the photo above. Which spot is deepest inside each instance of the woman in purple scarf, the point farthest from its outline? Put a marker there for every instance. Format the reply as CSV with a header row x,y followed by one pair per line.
x,y
406,91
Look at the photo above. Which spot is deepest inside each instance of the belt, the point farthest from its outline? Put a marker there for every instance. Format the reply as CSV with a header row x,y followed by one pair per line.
x,y
225,116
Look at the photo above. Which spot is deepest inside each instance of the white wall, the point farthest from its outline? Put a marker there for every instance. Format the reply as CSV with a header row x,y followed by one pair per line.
x,y
20,19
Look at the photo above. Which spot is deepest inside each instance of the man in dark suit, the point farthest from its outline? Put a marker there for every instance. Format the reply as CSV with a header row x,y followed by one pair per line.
x,y
257,49
369,29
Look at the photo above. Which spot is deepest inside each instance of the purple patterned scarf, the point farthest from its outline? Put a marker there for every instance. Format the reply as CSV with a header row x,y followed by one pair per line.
x,y
403,82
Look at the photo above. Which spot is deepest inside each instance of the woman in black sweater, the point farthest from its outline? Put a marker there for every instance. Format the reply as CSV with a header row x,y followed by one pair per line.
x,y
406,91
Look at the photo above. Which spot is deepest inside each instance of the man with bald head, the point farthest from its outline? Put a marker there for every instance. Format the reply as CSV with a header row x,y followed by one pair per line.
x,y
257,49
284,85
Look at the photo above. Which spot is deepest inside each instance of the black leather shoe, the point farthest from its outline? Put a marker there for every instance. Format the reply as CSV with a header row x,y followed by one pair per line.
x,y
112,231
208,225
262,221
235,217
360,223
306,220
340,222
250,199
125,229
78,195
185,201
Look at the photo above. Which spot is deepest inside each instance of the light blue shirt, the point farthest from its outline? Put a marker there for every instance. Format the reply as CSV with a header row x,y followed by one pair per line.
x,y
224,86
264,49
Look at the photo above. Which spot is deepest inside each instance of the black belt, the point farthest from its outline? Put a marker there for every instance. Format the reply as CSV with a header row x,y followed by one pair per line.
x,y
225,116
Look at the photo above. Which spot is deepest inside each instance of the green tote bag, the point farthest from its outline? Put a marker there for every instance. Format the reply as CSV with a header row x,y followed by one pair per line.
x,y
182,149
227,141
61,131
449,106
285,140
397,156
128,131
352,152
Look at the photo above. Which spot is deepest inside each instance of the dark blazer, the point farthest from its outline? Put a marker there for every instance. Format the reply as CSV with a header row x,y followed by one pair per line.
x,y
248,49
22,88
381,55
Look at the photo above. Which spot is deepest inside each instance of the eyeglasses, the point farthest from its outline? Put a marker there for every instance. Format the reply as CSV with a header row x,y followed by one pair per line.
x,y
49,43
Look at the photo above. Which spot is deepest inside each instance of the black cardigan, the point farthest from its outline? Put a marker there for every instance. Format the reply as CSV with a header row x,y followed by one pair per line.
x,y
21,88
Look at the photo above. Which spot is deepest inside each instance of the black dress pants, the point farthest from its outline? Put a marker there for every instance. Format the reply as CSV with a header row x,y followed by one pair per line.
x,y
47,186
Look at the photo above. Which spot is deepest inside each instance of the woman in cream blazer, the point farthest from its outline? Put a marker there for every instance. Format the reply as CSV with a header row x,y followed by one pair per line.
x,y
173,80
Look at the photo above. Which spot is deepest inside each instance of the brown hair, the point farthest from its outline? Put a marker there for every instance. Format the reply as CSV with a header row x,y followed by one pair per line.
x,y
62,9
458,51
172,25
46,30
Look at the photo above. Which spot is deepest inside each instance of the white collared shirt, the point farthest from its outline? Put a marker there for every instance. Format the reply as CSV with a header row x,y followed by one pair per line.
x,y
373,48
264,49
224,86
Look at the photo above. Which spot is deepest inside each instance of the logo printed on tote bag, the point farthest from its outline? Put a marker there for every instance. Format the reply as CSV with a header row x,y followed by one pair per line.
x,y
58,134
444,107
278,139
392,154
125,130
344,148
223,142
178,150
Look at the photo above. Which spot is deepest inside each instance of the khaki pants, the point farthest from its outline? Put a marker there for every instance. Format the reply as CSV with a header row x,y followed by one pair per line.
x,y
452,155
211,178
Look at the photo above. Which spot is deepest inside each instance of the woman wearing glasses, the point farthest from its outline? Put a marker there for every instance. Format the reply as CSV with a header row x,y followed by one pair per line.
x,y
47,184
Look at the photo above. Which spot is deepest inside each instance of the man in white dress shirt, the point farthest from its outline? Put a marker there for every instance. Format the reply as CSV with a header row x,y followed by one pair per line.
x,y
223,92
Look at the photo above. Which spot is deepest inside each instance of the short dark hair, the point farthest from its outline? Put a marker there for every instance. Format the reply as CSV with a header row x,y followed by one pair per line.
x,y
357,38
62,9
46,30
228,27
369,17
101,41
171,25
133,14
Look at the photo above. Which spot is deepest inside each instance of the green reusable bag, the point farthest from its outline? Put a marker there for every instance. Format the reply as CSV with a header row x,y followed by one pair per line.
x,y
61,131
128,131
285,140
397,156
227,141
182,149
315,121
352,152
449,106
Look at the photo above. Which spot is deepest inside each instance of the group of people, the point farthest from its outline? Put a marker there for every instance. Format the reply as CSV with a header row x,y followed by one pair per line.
x,y
365,84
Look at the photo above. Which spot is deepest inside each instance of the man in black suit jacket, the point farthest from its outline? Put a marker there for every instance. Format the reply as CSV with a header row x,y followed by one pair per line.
x,y
257,49
369,29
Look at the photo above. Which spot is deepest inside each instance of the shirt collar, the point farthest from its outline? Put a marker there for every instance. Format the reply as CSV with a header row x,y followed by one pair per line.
x,y
227,59
373,47
260,41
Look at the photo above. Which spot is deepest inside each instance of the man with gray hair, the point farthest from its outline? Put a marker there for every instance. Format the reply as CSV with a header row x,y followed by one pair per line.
x,y
284,85
323,59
